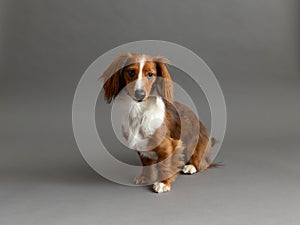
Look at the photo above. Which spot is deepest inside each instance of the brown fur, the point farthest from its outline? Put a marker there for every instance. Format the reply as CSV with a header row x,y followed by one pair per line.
x,y
165,89
181,134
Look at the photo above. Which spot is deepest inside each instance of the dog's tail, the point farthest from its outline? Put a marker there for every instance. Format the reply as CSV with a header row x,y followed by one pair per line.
x,y
215,165
214,141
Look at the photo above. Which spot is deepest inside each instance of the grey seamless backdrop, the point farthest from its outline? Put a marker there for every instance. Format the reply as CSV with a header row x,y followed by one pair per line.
x,y
251,46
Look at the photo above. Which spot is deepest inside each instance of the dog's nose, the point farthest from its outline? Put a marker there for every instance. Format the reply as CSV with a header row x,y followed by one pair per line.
x,y
139,94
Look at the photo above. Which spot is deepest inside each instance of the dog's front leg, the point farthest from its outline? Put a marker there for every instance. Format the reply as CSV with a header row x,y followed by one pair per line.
x,y
147,175
170,161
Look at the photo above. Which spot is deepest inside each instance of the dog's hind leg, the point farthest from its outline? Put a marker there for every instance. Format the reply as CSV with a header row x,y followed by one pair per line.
x,y
200,159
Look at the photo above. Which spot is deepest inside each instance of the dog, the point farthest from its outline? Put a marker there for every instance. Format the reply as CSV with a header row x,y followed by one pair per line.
x,y
164,133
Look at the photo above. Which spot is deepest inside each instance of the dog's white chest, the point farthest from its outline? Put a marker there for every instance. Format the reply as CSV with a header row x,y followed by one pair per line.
x,y
141,120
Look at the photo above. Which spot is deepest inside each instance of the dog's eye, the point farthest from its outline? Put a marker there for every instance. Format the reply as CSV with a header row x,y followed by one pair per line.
x,y
149,75
131,73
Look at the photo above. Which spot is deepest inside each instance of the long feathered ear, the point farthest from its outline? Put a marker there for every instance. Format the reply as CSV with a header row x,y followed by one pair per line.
x,y
113,80
164,85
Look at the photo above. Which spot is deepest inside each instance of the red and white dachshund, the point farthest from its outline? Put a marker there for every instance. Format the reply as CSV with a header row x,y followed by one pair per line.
x,y
164,132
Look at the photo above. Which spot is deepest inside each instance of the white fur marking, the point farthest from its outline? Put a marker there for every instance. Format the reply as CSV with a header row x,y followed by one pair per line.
x,y
189,169
160,187
140,119
139,82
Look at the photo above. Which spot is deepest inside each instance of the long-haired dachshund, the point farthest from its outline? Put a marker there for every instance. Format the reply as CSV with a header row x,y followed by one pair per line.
x,y
164,132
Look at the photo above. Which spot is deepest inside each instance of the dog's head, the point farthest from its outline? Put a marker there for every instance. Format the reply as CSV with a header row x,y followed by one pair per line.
x,y
140,74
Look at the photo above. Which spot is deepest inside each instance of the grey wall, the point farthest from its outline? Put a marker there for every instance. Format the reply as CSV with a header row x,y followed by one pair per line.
x,y
252,47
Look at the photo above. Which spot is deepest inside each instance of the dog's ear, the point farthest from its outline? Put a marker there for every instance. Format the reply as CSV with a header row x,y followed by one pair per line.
x,y
112,78
164,84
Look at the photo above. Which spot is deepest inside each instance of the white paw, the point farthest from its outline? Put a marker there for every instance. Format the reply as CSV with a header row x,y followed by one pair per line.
x,y
189,169
141,180
160,187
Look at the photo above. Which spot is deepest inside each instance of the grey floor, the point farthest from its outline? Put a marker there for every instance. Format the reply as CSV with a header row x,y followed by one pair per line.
x,y
44,180
253,48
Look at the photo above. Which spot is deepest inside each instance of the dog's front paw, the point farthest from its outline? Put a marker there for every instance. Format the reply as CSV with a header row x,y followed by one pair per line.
x,y
160,187
141,179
